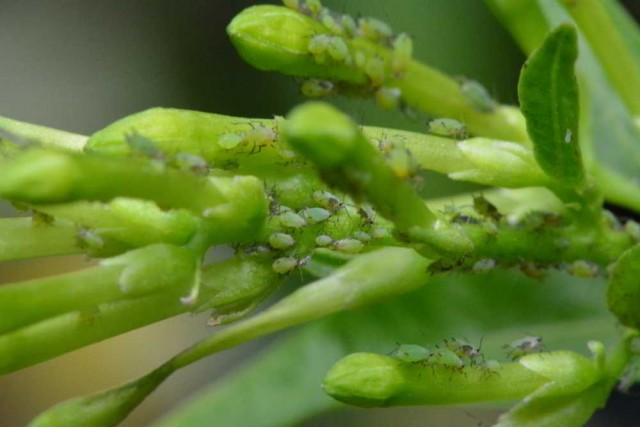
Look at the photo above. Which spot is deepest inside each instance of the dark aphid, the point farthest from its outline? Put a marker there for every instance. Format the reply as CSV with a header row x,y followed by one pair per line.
x,y
367,214
464,350
314,88
485,208
41,219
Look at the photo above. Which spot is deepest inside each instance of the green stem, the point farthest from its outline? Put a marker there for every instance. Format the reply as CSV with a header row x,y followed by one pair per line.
x,y
20,238
45,136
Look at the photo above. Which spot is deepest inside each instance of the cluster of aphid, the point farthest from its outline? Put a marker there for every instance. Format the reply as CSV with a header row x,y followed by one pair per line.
x,y
457,353
334,46
399,158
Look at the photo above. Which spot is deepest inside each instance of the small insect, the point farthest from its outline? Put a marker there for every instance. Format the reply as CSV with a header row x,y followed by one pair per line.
x,y
41,219
485,208
446,357
532,270
362,236
478,96
327,200
318,46
527,345
332,23
260,137
349,25
367,215
490,367
402,163
315,215
374,69
323,240
291,219
632,228
449,128
229,141
380,233
314,88
145,146
464,350
388,98
314,7
402,53
281,241
292,4
349,246
568,136
583,269
285,265
484,265
192,163
411,353
338,50
89,239
375,30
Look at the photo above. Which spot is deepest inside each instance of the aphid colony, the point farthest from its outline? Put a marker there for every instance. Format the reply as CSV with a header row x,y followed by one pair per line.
x,y
458,353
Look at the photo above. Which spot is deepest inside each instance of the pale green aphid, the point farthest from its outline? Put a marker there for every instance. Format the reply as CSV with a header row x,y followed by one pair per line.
x,y
89,239
338,50
318,46
284,265
380,233
478,96
632,228
402,53
402,163
349,246
484,265
314,7
291,220
388,98
527,345
323,240
230,141
349,25
463,349
292,4
583,269
314,88
144,146
374,29
192,163
374,69
327,200
362,236
315,215
411,353
281,241
360,59
260,136
446,357
331,23
447,127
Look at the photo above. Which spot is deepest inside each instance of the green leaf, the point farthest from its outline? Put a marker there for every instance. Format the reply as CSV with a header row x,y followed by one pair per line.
x,y
548,93
623,294
282,386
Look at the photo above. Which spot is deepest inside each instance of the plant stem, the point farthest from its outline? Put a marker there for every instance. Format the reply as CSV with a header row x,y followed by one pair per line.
x,y
20,238
47,137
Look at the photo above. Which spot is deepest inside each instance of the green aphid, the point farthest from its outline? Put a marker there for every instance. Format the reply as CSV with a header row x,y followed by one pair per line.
x,y
374,69
478,96
327,200
41,219
318,46
446,357
360,59
411,353
331,23
144,146
463,350
281,241
285,265
260,136
380,233
485,208
292,4
527,345
362,236
323,240
338,50
447,127
349,25
192,163
632,228
402,53
314,88
388,98
291,220
314,7
229,141
89,239
375,30
315,215
402,163
349,246
484,265
583,269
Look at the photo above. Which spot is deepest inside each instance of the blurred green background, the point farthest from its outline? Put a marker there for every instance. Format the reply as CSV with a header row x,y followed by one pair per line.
x,y
79,65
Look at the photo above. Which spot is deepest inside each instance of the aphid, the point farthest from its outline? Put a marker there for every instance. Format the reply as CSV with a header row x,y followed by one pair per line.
x,y
338,50
360,59
192,163
362,236
318,46
349,25
374,69
568,136
388,98
464,350
485,208
484,265
583,269
314,7
411,353
402,53
367,214
478,96
490,228
490,366
284,265
327,200
532,270
315,215
527,345
292,4
629,377
259,137
446,357
314,88
380,233
349,246
632,228
89,239
374,29
229,141
291,220
331,23
41,219
402,163
447,127
144,146
323,240
281,241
